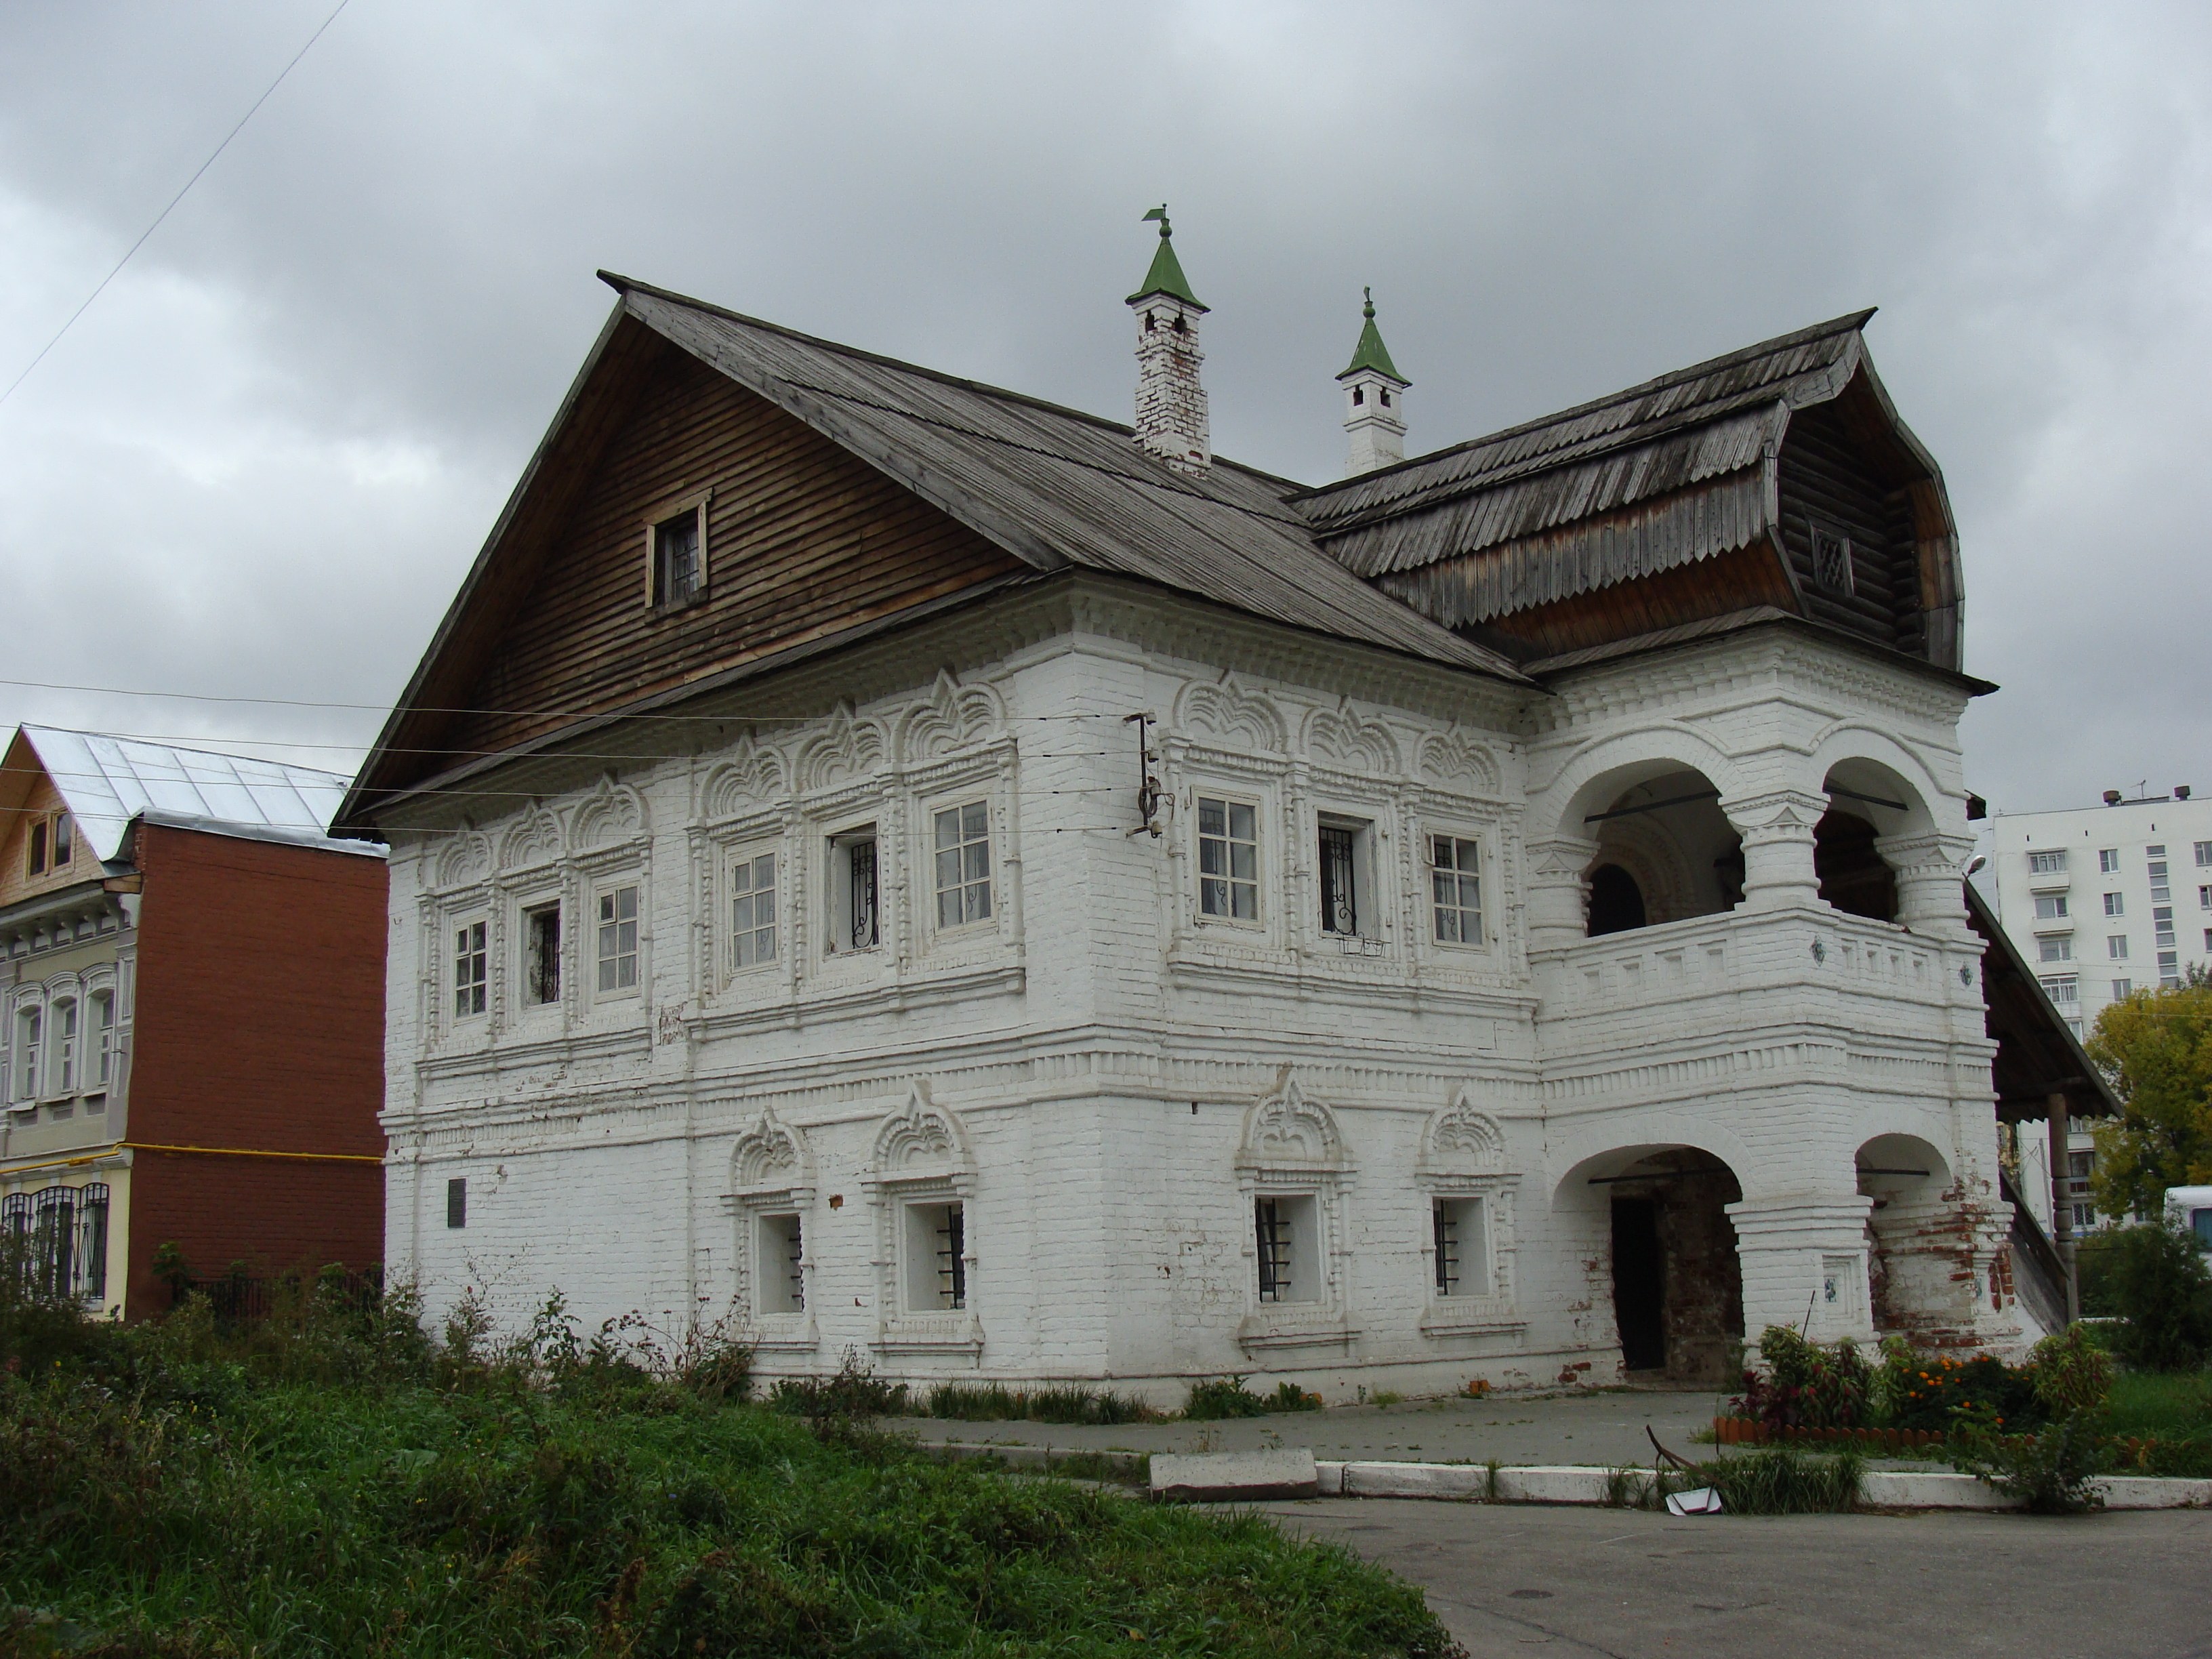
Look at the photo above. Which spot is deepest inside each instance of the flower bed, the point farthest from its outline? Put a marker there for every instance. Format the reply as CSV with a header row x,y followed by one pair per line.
x,y
1749,1431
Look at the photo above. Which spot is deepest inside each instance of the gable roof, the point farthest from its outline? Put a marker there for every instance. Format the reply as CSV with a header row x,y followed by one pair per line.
x,y
108,782
1055,487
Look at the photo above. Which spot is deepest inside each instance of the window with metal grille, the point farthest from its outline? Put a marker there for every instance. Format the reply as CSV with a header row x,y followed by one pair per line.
x,y
1272,1224
1462,1244
468,969
1455,888
2046,863
1832,560
15,1230
1340,882
541,955
90,1259
1228,860
752,911
676,559
854,925
963,865
457,1201
618,941
53,1240
782,1284
936,1257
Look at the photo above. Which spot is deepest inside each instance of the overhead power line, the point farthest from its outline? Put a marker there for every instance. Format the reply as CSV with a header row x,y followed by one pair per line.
x,y
173,200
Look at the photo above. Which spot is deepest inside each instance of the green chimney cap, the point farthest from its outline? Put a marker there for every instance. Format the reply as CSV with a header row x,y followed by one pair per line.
x,y
1166,275
1371,352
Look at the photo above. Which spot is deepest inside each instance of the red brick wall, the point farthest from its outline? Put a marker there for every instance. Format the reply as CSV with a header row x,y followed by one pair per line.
x,y
259,1025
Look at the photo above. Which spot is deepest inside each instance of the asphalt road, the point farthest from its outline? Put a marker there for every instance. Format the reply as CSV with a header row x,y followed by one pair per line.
x,y
1516,1579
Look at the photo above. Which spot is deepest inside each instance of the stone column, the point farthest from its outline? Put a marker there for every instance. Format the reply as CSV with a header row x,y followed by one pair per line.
x,y
1558,905
1777,827
1804,1262
1929,876
2061,1203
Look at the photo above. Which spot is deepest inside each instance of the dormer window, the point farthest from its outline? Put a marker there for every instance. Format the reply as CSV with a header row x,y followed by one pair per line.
x,y
676,555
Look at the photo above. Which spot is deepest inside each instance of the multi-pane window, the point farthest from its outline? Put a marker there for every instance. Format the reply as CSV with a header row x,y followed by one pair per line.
x,y
963,865
99,1038
2065,989
2122,989
783,1280
470,963
618,939
2050,906
2204,898
2154,866
2161,919
1228,860
936,1257
2116,947
2115,905
1340,882
752,911
62,1235
1272,1223
2108,861
2169,970
1455,888
541,955
63,1081
2203,850
2046,863
30,1051
676,564
2056,949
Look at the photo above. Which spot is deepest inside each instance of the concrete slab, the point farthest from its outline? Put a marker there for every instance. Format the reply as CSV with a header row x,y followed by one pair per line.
x,y
1234,1476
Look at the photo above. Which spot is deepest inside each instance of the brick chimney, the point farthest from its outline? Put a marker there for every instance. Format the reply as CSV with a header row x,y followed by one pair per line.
x,y
1171,420
1374,401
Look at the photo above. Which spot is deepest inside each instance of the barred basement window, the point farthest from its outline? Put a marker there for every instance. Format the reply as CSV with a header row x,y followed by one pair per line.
x,y
1228,860
457,1201
541,955
963,865
468,969
618,940
782,1286
1456,887
1832,560
752,911
936,1257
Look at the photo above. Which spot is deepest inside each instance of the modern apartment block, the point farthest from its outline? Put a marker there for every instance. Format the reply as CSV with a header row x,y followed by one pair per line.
x,y
2104,901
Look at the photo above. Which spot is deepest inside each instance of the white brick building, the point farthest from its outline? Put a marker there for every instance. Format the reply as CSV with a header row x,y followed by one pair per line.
x,y
911,865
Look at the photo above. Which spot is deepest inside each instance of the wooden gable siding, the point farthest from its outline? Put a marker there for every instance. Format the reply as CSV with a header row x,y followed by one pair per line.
x,y
1827,475
803,539
1716,586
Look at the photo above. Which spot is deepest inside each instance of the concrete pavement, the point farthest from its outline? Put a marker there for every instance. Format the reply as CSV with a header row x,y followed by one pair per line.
x,y
1631,1585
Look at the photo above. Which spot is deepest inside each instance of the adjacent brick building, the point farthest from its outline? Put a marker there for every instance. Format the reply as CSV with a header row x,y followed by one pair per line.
x,y
192,977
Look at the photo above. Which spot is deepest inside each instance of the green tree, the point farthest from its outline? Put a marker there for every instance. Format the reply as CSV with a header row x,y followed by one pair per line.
x,y
2156,1047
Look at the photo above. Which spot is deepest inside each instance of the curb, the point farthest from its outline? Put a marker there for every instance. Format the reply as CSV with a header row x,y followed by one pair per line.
x,y
1582,1483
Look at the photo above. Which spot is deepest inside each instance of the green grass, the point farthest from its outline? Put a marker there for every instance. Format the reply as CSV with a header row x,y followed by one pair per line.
x,y
2169,1405
993,1402
189,1499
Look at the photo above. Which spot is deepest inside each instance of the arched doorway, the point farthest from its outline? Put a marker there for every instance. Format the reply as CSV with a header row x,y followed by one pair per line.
x,y
1677,1282
1616,903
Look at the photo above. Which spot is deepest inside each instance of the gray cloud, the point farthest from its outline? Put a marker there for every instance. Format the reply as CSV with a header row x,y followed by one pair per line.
x,y
260,464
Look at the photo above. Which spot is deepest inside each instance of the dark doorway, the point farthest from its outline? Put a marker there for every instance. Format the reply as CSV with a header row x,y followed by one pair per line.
x,y
1639,1284
1616,903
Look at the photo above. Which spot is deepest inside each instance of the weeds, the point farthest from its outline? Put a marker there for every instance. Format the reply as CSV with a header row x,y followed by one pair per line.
x,y
993,1402
1216,1398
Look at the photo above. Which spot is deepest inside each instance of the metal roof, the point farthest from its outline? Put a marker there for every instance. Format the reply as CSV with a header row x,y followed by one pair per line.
x,y
108,781
1057,488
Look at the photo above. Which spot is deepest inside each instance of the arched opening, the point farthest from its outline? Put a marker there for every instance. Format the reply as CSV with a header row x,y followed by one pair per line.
x,y
1904,1178
1616,903
1666,853
1677,1282
1866,800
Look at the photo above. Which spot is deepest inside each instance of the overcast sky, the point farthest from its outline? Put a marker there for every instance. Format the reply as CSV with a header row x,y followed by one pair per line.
x,y
259,465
